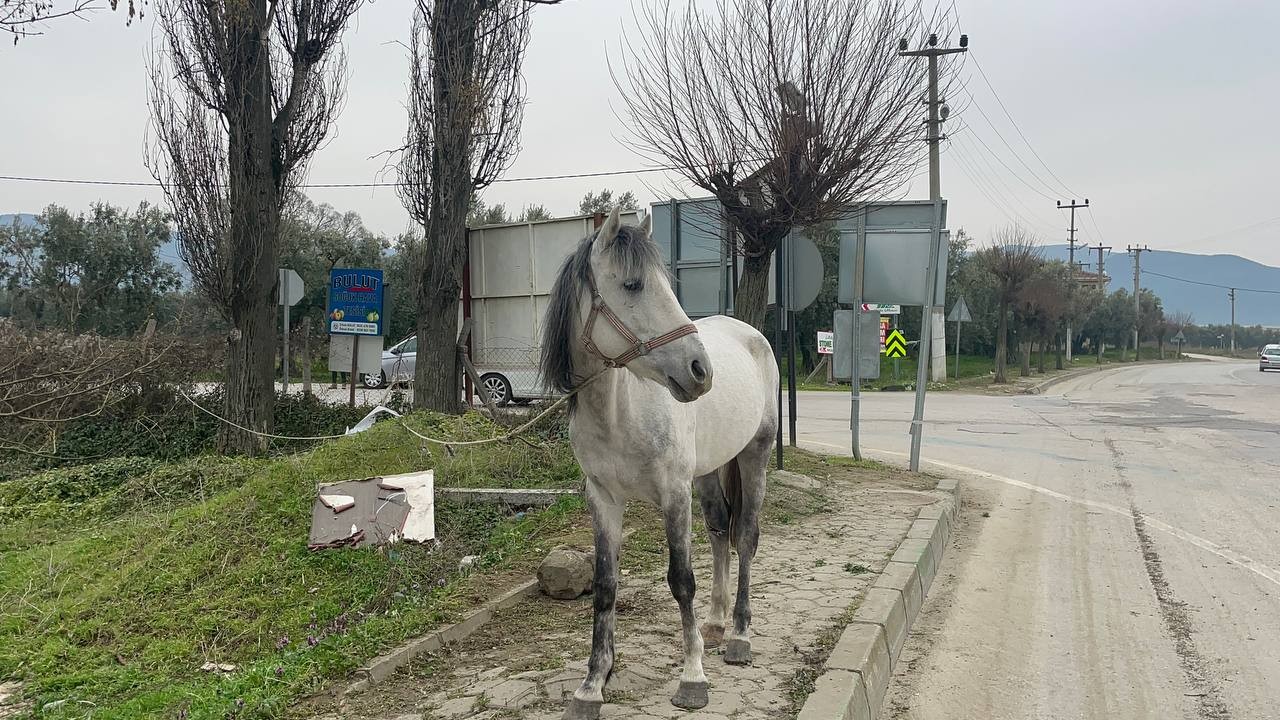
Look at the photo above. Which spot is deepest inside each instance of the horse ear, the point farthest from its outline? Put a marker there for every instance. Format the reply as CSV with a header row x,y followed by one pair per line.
x,y
646,224
609,230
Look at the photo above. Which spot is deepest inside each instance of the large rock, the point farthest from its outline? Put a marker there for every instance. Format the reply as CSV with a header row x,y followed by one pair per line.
x,y
566,573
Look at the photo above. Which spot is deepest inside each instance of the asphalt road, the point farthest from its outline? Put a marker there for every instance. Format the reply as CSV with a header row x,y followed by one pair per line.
x,y
1128,564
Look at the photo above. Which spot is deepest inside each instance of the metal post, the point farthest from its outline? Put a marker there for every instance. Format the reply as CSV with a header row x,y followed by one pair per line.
x,y
855,393
897,361
355,362
791,375
957,350
780,309
926,333
284,360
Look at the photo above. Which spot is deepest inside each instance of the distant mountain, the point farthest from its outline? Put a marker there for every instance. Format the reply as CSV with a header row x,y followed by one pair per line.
x,y
24,219
1207,305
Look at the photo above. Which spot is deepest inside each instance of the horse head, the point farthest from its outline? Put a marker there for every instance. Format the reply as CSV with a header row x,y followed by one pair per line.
x,y
613,306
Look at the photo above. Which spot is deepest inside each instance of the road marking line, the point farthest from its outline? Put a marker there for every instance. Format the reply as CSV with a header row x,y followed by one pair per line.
x,y
1231,556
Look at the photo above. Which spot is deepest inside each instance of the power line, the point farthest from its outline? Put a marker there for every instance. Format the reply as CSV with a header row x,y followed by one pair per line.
x,y
1209,284
139,183
996,95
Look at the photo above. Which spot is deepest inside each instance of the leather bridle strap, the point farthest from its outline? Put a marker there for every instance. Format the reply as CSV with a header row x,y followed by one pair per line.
x,y
638,347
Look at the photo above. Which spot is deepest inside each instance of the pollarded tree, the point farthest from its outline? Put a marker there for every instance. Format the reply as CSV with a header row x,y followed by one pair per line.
x,y
243,93
466,102
1012,259
789,112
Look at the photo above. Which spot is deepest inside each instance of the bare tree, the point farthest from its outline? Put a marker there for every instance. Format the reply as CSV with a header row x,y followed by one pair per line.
x,y
789,112
24,18
242,95
466,102
1042,305
1012,258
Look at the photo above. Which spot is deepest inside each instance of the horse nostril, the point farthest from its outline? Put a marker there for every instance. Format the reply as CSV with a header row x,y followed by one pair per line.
x,y
698,373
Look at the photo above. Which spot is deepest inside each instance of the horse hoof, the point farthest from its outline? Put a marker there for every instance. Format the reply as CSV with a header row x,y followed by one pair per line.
x,y
691,695
582,710
737,652
712,635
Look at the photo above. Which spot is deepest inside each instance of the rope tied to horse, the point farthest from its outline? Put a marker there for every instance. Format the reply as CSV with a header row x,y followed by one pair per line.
x,y
509,435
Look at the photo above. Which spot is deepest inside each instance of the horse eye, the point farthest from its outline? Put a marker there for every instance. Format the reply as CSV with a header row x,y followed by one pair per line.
x,y
633,285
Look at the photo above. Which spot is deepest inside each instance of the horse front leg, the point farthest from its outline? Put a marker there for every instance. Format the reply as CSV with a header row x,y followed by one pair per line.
x,y
692,693
606,517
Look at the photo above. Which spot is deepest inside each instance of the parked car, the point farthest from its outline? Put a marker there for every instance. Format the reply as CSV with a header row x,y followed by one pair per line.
x,y
398,364
508,375
1269,358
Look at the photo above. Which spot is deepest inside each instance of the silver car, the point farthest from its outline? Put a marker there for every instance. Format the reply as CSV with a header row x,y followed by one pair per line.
x,y
398,364
509,375
1269,358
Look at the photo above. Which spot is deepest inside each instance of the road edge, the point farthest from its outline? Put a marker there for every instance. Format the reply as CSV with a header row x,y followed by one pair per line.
x,y
855,678
1064,376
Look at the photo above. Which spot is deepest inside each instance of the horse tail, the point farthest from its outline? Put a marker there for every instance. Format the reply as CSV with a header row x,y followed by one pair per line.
x,y
731,486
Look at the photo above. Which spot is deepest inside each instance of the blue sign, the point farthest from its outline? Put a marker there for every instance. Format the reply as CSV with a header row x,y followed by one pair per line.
x,y
355,301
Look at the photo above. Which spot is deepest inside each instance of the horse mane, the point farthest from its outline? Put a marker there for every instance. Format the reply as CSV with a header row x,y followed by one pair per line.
x,y
632,251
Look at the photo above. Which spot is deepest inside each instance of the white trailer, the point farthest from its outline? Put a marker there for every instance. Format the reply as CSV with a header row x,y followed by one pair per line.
x,y
512,268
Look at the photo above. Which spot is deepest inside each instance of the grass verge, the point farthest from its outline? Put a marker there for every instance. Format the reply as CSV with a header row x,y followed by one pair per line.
x,y
119,580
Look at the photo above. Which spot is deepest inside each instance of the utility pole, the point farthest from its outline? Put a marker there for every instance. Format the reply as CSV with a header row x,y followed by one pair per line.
x,y
1102,275
1232,294
1071,245
937,113
1137,251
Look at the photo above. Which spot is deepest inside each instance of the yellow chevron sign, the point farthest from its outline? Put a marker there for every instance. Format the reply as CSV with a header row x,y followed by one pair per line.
x,y
895,345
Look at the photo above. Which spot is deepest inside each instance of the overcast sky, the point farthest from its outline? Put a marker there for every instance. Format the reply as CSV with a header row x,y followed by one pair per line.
x,y
1164,114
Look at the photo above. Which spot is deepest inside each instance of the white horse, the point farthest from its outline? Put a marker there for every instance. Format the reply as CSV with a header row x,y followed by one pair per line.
x,y
651,425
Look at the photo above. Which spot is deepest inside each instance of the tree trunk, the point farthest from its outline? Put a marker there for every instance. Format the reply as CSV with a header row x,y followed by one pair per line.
x,y
751,299
437,377
1002,343
255,219
438,374
1025,358
1057,354
1043,342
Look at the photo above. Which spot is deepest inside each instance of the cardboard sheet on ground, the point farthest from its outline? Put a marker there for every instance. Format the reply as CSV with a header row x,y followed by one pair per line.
x,y
374,511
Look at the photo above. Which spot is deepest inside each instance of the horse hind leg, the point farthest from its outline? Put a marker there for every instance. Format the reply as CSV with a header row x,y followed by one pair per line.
x,y
715,513
746,500
692,692
606,516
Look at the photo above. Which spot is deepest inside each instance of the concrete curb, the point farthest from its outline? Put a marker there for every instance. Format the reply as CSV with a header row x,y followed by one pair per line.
x,y
381,667
856,675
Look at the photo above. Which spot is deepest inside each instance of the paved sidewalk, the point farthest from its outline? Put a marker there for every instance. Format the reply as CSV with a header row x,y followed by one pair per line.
x,y
528,660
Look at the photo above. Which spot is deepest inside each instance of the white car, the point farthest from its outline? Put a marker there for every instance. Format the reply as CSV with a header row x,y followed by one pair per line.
x,y
511,376
1269,358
